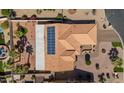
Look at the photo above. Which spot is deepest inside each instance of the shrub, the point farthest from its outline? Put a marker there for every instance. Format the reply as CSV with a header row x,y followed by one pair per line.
x,y
94,11
59,16
97,66
5,25
22,76
33,77
8,43
21,69
10,61
24,17
88,62
104,26
103,50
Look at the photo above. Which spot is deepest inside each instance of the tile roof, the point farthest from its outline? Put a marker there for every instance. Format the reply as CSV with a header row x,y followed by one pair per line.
x,y
69,38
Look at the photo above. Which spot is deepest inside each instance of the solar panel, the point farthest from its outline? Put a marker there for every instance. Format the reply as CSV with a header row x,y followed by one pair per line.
x,y
51,40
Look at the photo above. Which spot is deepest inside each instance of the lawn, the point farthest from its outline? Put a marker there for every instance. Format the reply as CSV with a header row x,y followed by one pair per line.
x,y
1,66
117,44
1,39
118,69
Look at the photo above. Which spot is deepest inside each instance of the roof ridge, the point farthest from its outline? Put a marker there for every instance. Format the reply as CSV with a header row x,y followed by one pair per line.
x,y
65,31
91,28
90,36
66,56
74,39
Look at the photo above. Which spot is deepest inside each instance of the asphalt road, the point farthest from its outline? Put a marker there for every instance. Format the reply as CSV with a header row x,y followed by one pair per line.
x,y
116,18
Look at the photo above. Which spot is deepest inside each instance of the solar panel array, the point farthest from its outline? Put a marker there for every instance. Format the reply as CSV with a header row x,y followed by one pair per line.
x,y
51,40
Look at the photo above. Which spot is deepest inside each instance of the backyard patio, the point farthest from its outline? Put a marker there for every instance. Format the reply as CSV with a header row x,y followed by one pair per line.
x,y
24,42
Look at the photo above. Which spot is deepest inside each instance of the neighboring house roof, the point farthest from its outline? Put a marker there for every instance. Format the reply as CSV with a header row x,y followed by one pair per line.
x,y
69,38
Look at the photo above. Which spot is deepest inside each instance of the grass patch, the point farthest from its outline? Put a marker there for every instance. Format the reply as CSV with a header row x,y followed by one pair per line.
x,y
118,62
6,12
1,66
118,69
2,41
5,25
117,44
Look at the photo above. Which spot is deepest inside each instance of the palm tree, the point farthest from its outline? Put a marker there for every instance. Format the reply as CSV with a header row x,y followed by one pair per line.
x,y
29,50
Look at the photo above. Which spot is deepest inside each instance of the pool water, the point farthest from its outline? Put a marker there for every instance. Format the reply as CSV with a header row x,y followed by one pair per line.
x,y
1,30
0,52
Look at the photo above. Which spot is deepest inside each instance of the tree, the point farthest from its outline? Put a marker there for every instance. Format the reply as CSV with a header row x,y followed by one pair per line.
x,y
6,12
19,34
5,25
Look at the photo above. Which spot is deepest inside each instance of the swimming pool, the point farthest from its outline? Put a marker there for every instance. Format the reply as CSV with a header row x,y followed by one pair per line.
x,y
3,51
1,30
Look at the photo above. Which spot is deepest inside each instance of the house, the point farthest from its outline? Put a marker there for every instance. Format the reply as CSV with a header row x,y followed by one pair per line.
x,y
57,44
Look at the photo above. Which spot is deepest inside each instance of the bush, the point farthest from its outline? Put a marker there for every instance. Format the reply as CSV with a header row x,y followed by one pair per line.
x,y
103,51
22,76
10,61
24,17
33,77
21,69
8,43
6,12
88,62
118,69
5,25
97,66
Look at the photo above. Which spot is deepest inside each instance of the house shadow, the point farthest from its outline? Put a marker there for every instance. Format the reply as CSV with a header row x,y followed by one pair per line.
x,y
75,76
